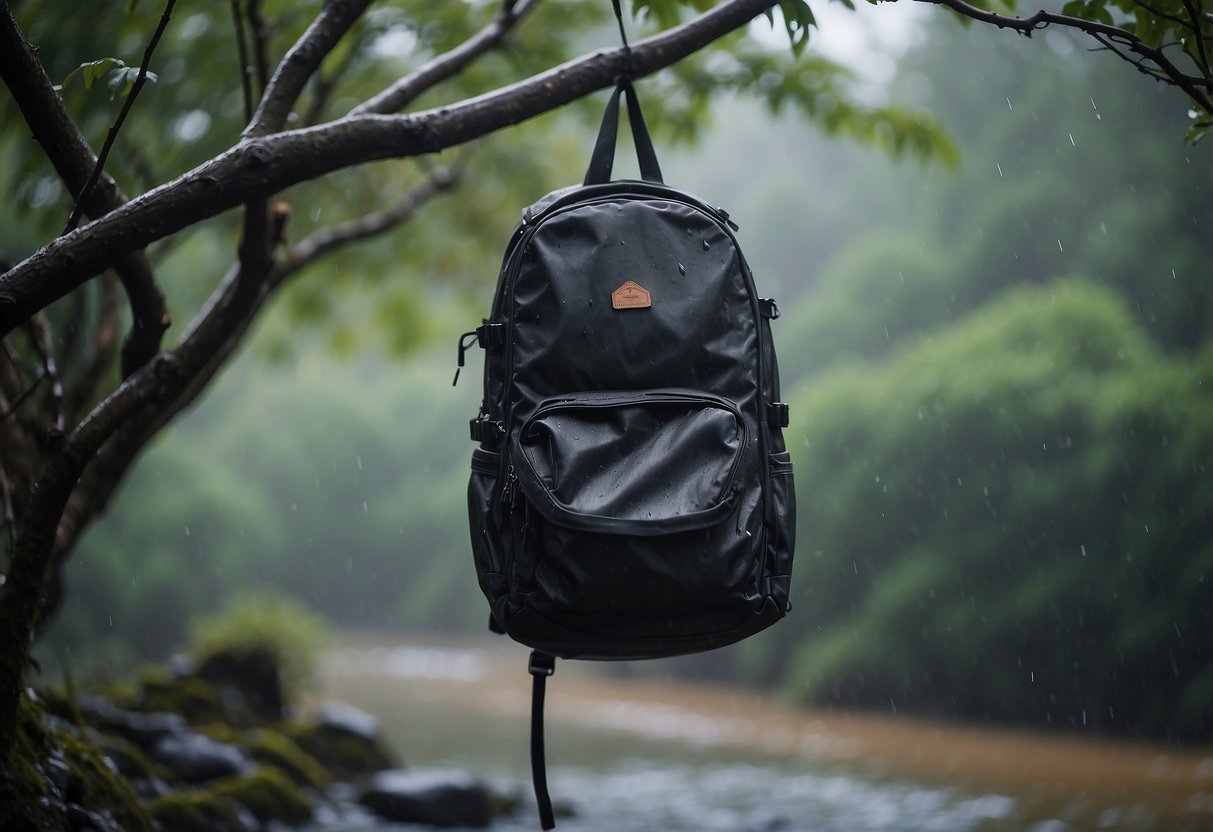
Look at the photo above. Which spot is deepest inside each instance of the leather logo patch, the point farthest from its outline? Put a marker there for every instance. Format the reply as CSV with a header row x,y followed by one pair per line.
x,y
631,295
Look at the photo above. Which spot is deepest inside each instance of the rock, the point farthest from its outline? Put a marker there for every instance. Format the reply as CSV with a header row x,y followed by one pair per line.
x,y
145,730
269,795
436,797
194,758
250,672
343,739
340,716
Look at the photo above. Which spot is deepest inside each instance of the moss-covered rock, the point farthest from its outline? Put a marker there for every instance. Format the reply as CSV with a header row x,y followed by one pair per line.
x,y
61,779
343,753
197,700
268,794
195,812
98,788
273,748
249,673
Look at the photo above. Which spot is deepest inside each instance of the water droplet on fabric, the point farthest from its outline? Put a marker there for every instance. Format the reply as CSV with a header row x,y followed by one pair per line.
x,y
682,269
706,247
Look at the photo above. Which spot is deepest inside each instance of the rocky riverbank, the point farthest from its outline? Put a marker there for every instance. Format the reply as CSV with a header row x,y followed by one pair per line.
x,y
211,744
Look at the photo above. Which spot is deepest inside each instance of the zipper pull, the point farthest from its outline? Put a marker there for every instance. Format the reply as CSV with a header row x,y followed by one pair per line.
x,y
509,492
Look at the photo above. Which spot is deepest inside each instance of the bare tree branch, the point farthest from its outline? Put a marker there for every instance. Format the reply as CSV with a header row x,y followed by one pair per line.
x,y
301,62
261,37
246,82
1197,87
73,219
326,240
74,161
1202,58
397,97
270,164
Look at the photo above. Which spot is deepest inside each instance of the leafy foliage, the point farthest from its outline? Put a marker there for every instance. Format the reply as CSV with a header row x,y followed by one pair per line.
x,y
952,562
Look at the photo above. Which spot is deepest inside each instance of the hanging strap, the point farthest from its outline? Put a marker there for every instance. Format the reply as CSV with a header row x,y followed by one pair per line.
x,y
542,665
603,159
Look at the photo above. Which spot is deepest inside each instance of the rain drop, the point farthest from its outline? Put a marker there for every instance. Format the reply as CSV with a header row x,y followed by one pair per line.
x,y
1083,548
683,269
187,531
997,165
1059,248
705,245
1009,107
1071,135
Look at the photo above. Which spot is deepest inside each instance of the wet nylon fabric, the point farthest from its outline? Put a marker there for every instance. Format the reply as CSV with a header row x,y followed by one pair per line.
x,y
584,458
629,498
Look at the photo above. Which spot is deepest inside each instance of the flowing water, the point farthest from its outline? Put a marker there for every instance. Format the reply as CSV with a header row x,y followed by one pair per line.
x,y
627,755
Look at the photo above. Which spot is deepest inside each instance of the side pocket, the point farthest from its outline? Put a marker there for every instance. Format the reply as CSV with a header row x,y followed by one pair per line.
x,y
484,517
781,537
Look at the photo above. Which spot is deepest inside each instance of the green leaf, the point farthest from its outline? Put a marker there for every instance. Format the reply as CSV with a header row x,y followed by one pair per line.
x,y
92,70
797,18
122,80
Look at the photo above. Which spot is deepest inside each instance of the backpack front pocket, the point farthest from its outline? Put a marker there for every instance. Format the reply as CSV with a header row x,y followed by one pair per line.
x,y
636,463
638,504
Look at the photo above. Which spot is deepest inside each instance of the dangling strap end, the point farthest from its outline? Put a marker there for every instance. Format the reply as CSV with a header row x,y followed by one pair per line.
x,y
542,665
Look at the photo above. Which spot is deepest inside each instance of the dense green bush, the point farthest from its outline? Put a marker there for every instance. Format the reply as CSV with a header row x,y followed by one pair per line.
x,y
1010,521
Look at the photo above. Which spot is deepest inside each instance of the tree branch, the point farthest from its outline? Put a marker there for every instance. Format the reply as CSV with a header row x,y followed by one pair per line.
x,y
74,161
266,165
301,62
128,102
397,97
261,35
1196,87
246,82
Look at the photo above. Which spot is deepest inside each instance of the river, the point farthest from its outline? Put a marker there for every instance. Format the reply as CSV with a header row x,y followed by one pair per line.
x,y
653,754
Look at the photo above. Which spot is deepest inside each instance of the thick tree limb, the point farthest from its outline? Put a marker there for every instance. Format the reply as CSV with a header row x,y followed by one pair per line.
x,y
73,159
301,62
266,165
1198,88
397,97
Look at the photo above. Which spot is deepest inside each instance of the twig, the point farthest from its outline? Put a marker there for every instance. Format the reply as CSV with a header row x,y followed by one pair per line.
x,y
1200,40
1195,86
261,36
246,83
39,330
398,95
325,240
78,208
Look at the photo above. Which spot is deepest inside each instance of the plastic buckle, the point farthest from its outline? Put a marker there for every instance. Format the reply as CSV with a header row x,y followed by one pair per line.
x,y
769,308
778,414
542,664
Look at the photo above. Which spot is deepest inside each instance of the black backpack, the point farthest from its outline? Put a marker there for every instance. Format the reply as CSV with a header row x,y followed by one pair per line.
x,y
631,496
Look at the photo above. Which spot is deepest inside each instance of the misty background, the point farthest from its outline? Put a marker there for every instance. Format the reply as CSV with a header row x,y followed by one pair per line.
x,y
1001,384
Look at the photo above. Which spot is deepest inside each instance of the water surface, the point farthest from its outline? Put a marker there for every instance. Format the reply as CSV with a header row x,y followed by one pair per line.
x,y
653,754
